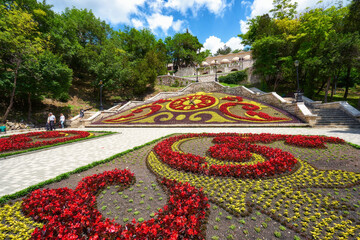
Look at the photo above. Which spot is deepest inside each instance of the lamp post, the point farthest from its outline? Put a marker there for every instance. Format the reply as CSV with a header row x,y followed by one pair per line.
x,y
216,71
197,73
101,86
298,95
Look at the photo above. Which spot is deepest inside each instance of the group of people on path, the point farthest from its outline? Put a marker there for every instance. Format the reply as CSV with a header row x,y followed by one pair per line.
x,y
51,121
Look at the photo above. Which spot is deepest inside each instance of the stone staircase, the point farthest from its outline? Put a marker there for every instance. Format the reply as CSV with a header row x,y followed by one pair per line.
x,y
330,117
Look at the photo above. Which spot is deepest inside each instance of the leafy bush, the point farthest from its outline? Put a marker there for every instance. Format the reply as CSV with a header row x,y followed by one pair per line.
x,y
234,78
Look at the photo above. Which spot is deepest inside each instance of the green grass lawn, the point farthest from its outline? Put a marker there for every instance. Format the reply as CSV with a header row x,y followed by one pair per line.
x,y
229,85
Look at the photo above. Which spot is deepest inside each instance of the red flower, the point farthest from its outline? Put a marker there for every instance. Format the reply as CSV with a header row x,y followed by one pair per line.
x,y
72,214
31,140
237,148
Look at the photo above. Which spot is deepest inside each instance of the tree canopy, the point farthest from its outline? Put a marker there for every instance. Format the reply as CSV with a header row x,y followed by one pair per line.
x,y
223,51
325,40
183,50
43,53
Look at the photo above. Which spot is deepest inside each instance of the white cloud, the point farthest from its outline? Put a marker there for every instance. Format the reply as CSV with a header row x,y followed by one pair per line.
x,y
163,22
260,7
234,43
243,26
157,20
214,6
114,11
137,23
245,3
214,43
156,5
177,25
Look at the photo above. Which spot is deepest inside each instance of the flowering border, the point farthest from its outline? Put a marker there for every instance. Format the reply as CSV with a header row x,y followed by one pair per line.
x,y
14,152
23,141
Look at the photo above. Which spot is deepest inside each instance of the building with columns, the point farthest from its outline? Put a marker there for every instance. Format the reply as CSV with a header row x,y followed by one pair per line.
x,y
218,64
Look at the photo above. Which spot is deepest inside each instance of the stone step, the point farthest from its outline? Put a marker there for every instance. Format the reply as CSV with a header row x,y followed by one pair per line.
x,y
343,123
338,125
334,117
334,122
331,114
338,117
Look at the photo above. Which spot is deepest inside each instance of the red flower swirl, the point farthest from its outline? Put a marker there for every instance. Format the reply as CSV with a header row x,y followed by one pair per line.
x,y
277,161
72,214
264,117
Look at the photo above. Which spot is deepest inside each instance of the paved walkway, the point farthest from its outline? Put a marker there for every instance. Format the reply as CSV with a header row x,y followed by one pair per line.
x,y
19,172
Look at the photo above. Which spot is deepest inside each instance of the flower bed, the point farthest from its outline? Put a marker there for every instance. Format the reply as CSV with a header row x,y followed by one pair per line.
x,y
304,199
36,139
202,108
236,147
72,214
304,203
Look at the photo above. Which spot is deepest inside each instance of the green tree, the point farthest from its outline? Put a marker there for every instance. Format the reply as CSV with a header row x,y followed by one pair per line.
x,y
259,27
183,50
45,75
318,40
19,43
353,18
78,36
223,51
268,54
284,9
130,61
146,60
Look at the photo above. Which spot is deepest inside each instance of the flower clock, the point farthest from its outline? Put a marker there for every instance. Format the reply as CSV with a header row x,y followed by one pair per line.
x,y
72,214
193,102
240,174
38,139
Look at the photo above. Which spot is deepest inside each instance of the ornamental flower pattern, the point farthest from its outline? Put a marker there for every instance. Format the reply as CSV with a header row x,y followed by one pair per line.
x,y
297,196
291,197
72,214
201,108
277,162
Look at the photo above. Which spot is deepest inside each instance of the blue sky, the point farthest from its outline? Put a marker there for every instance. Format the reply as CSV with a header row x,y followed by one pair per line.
x,y
214,22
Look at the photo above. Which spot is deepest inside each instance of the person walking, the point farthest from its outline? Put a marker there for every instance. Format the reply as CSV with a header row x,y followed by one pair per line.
x,y
52,121
48,122
82,113
62,120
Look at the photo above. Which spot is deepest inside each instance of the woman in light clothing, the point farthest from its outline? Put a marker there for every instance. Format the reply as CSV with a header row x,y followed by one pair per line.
x,y
62,120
